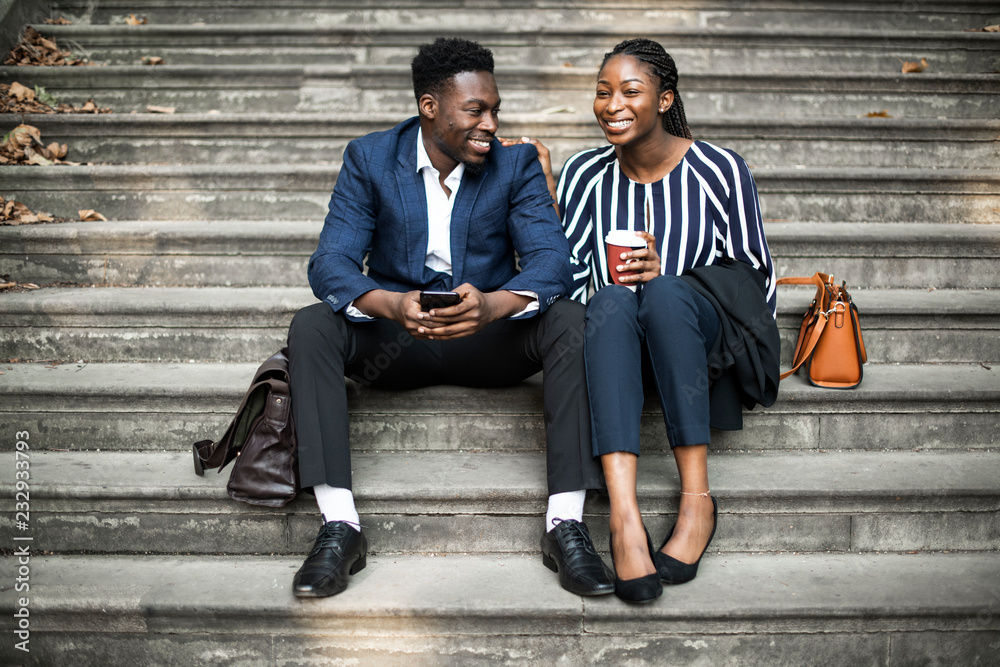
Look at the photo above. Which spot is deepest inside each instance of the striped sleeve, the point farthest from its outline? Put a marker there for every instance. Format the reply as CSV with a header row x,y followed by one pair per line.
x,y
575,184
745,239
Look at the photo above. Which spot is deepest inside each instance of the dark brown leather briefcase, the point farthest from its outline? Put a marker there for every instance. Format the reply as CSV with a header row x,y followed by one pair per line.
x,y
261,438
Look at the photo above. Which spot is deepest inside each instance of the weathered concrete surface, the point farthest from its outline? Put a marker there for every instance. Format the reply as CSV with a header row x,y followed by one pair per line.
x,y
316,137
206,253
445,600
387,88
144,253
583,44
522,14
249,192
491,503
151,406
238,324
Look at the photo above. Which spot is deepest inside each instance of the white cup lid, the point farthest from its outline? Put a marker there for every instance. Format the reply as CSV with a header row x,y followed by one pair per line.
x,y
625,237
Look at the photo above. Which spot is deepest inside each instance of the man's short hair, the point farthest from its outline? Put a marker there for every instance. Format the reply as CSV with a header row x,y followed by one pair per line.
x,y
435,64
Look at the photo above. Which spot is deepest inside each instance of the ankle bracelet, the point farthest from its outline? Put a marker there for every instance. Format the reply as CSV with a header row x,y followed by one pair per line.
x,y
703,495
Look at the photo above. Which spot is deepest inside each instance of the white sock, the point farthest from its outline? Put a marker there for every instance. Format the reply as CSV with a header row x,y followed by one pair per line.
x,y
565,506
336,504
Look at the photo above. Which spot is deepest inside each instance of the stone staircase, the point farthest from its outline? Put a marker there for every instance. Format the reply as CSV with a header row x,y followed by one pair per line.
x,y
856,527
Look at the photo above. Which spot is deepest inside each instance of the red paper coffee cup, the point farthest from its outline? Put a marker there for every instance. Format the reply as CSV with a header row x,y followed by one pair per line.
x,y
619,241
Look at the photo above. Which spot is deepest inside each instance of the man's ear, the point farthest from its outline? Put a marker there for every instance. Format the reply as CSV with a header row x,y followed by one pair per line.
x,y
428,106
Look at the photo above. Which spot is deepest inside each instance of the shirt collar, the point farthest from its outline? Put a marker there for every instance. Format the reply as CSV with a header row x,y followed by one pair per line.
x,y
424,160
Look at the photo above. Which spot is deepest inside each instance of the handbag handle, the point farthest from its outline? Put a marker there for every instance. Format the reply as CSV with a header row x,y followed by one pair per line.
x,y
810,345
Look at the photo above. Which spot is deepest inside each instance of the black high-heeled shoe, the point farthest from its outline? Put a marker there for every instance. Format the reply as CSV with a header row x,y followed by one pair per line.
x,y
639,590
673,571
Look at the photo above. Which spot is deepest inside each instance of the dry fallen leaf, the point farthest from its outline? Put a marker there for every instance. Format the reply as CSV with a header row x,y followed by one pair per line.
x,y
36,158
914,68
22,135
155,109
59,21
21,93
992,28
152,60
884,113
135,20
23,145
90,215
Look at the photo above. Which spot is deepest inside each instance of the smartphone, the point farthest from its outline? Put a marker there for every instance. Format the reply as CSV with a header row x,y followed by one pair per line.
x,y
430,299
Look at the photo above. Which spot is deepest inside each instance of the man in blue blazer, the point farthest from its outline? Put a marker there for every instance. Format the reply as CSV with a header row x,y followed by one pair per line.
x,y
436,203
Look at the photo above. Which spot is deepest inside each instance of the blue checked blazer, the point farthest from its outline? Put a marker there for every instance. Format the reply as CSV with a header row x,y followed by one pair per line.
x,y
379,211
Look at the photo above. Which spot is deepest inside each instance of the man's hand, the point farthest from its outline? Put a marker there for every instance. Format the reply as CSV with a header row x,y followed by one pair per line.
x,y
403,307
470,316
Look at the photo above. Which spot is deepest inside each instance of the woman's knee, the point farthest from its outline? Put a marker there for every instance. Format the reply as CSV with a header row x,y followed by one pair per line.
x,y
666,295
614,304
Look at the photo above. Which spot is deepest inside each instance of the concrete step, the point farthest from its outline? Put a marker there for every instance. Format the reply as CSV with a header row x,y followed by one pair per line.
x,y
462,502
302,191
791,609
141,407
388,88
311,138
695,50
244,324
258,253
538,14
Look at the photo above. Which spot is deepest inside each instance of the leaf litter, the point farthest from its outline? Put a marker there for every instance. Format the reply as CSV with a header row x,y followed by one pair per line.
x,y
36,50
24,145
18,98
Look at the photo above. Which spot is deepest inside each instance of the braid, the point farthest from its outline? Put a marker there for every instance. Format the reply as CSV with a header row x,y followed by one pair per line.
x,y
651,53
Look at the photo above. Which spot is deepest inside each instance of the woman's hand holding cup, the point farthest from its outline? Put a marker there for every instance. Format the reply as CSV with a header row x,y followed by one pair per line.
x,y
633,265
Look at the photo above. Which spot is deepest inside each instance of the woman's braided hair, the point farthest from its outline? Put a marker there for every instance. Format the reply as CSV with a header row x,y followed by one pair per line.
x,y
654,55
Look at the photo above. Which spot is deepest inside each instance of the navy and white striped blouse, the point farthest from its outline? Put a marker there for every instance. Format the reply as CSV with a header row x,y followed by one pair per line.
x,y
704,210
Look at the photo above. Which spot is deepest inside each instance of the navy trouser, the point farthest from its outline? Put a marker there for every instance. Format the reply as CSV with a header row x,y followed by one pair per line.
x,y
325,346
664,334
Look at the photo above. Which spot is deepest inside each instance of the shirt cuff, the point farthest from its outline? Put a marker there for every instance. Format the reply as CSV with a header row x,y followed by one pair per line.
x,y
351,311
530,308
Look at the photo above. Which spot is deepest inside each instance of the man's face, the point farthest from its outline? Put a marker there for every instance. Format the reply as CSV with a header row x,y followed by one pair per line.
x,y
463,121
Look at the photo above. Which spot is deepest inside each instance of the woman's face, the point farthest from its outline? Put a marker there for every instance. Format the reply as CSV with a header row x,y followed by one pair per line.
x,y
627,103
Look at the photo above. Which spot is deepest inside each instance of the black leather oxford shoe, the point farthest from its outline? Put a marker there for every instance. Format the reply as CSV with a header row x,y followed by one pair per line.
x,y
568,550
340,550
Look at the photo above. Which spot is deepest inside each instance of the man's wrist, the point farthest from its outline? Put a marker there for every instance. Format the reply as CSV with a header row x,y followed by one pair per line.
x,y
505,303
378,303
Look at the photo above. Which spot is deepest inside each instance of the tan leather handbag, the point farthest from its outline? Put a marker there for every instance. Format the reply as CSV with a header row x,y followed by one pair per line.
x,y
830,345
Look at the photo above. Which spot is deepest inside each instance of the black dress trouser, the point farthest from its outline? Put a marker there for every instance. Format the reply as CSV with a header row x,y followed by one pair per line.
x,y
325,347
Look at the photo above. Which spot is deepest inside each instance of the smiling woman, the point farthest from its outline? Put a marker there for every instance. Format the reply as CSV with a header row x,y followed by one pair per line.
x,y
694,207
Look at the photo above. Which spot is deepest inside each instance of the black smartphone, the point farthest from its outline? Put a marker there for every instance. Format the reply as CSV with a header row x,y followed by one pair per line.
x,y
431,299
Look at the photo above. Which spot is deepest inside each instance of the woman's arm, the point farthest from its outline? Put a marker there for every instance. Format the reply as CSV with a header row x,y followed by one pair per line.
x,y
745,240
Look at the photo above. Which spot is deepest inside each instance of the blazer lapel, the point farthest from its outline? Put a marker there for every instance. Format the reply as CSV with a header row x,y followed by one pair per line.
x,y
413,200
461,218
